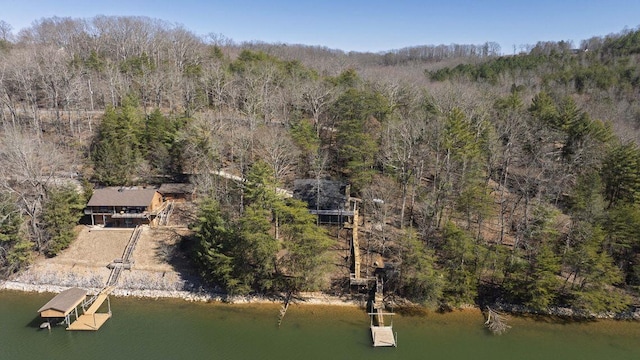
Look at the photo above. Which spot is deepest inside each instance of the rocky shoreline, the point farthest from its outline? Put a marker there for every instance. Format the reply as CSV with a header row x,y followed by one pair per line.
x,y
568,313
312,298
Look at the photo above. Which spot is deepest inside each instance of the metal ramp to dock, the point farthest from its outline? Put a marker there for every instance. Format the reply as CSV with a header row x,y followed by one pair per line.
x,y
97,300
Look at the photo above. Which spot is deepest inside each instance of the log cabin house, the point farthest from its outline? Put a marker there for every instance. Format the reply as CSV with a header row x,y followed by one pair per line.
x,y
124,207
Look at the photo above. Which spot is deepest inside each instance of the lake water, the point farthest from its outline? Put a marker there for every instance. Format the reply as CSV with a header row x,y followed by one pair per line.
x,y
175,329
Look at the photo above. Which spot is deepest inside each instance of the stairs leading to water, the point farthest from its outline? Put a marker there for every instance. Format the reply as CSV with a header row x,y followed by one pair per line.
x,y
91,319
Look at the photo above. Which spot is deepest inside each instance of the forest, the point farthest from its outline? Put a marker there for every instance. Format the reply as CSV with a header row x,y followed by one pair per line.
x,y
487,177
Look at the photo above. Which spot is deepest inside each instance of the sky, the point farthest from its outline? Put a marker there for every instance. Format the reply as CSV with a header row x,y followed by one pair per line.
x,y
356,25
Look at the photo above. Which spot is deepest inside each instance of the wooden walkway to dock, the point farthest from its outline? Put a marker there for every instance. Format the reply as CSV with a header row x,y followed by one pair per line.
x,y
381,334
91,319
66,303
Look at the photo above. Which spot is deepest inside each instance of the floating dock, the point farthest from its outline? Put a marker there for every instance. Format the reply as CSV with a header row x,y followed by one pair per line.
x,y
381,334
89,322
90,319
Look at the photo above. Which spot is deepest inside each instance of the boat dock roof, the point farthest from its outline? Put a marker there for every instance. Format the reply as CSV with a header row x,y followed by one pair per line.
x,y
63,303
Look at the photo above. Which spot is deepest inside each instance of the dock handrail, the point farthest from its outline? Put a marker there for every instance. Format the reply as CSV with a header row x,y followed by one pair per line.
x,y
114,276
87,304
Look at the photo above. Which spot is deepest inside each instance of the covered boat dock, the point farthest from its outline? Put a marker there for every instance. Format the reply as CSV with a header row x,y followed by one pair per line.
x,y
64,305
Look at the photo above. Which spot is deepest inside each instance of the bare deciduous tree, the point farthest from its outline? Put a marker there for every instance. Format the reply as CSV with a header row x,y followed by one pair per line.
x,y
276,149
30,166
401,154
316,96
5,31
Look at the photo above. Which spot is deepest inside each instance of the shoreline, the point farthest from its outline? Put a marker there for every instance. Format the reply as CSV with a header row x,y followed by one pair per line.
x,y
307,298
310,298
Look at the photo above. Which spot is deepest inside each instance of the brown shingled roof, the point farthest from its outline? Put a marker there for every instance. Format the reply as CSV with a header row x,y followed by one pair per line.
x,y
65,301
122,197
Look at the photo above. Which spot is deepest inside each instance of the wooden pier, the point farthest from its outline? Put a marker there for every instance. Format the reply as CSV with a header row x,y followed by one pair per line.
x,y
91,319
381,334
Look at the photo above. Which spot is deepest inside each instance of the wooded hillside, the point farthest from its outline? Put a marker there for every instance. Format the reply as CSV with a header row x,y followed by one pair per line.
x,y
496,178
